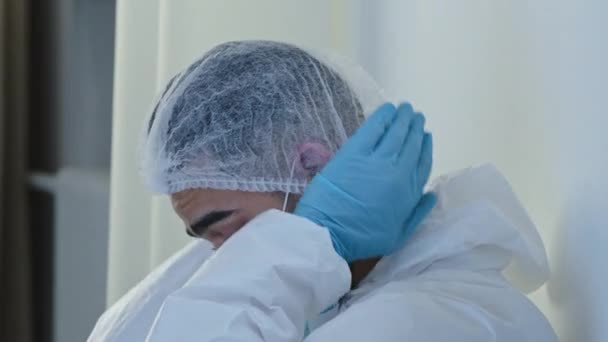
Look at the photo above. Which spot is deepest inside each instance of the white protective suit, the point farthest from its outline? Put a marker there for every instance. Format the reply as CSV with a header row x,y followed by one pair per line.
x,y
459,278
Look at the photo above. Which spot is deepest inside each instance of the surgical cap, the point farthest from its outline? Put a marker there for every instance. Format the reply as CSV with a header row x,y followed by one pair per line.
x,y
251,115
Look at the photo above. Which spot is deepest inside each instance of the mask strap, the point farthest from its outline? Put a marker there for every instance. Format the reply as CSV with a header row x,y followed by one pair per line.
x,y
293,167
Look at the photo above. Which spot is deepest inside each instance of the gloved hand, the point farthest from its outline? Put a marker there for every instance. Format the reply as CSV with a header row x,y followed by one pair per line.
x,y
370,195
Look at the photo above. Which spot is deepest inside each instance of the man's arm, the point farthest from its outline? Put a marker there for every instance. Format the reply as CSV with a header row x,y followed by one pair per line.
x,y
261,285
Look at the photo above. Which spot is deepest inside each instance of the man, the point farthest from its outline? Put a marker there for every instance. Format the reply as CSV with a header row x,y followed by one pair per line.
x,y
240,134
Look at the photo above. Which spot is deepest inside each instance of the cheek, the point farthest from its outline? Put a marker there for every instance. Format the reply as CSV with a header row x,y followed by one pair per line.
x,y
249,209
219,234
231,227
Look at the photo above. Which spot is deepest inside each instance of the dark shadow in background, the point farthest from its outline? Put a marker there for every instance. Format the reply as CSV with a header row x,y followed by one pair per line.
x,y
43,157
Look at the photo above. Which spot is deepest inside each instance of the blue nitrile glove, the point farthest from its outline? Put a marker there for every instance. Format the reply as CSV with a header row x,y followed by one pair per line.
x,y
370,195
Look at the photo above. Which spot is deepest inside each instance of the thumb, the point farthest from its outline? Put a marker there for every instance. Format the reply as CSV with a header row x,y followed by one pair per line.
x,y
424,207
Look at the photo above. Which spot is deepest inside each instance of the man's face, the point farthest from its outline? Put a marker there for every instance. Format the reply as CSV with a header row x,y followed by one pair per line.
x,y
215,215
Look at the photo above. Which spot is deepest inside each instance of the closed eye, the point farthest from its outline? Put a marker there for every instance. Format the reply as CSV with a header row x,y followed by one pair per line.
x,y
200,227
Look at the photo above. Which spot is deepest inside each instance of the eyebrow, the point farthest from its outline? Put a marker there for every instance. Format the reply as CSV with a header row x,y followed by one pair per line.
x,y
198,228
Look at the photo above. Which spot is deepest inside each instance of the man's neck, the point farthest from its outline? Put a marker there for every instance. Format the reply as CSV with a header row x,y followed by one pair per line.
x,y
360,269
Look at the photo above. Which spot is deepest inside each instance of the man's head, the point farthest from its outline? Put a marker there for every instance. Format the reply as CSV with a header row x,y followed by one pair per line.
x,y
242,126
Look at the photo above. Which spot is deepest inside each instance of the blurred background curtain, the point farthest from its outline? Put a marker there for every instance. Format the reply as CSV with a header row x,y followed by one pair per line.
x,y
520,84
16,323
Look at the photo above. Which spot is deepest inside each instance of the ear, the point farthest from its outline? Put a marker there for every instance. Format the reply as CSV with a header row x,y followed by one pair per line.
x,y
312,157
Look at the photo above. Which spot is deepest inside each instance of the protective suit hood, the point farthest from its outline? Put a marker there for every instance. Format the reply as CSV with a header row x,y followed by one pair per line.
x,y
478,220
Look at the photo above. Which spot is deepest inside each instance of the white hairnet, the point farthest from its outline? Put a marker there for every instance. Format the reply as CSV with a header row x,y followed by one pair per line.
x,y
253,116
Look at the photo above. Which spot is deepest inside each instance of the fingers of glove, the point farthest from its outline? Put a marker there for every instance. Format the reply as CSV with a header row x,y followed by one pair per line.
x,y
366,138
410,152
425,162
392,141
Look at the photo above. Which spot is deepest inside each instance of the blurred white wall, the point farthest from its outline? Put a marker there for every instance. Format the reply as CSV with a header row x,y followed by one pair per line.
x,y
570,54
515,83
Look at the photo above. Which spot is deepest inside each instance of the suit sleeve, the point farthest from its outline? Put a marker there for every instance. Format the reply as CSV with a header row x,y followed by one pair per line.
x,y
261,285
